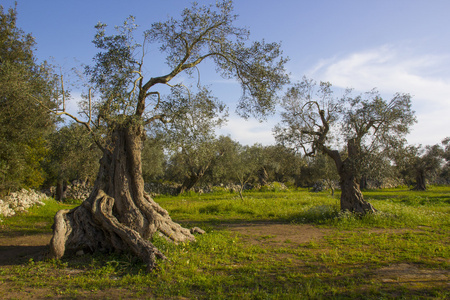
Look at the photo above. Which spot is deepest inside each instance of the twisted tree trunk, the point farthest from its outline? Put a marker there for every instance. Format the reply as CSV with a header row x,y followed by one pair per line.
x,y
421,184
351,196
118,215
192,179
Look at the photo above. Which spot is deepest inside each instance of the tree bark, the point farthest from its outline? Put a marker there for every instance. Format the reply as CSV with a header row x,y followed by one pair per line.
x,y
421,184
263,177
118,215
351,196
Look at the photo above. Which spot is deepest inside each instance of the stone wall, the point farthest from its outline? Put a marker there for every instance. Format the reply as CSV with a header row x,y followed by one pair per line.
x,y
20,201
77,190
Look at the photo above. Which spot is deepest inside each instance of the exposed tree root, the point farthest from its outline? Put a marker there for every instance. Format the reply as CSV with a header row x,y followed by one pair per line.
x,y
92,226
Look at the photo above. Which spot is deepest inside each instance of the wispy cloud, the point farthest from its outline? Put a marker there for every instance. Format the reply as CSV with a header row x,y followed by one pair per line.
x,y
392,69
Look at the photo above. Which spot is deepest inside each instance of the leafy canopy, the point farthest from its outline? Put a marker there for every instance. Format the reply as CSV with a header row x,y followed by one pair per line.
x,y
312,116
124,87
23,122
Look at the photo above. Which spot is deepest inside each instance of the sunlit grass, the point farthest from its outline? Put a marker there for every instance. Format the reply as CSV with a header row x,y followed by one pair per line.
x,y
410,228
37,219
396,208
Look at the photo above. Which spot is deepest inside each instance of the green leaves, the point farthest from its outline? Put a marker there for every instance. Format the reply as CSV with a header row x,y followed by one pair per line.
x,y
23,122
72,155
201,32
312,115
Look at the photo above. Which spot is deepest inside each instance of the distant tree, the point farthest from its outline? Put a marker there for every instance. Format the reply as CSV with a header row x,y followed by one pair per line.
x,y
247,166
239,164
153,159
221,172
319,171
376,167
24,124
192,138
422,163
72,156
119,215
364,122
282,164
445,173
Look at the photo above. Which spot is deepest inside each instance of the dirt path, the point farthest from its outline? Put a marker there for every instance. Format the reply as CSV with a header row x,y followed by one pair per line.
x,y
20,249
275,234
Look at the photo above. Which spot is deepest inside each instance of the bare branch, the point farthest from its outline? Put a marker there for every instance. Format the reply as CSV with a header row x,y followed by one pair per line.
x,y
63,94
161,118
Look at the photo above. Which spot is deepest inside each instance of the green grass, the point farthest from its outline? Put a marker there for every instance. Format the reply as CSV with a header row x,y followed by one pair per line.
x,y
37,219
356,257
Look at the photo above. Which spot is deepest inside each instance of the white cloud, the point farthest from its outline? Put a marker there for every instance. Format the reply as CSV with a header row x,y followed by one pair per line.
x,y
249,132
72,104
393,69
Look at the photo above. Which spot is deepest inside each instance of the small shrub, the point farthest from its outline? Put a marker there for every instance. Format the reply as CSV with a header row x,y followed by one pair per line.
x,y
273,187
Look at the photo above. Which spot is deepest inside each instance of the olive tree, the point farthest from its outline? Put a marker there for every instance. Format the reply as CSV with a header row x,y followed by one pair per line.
x,y
72,156
311,117
421,163
24,124
282,164
192,140
445,173
248,164
126,98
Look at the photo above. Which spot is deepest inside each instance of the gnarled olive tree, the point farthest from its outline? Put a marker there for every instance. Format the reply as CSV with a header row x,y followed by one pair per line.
x,y
119,215
364,123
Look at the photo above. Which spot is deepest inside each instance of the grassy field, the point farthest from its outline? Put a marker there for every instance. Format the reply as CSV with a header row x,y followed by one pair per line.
x,y
273,245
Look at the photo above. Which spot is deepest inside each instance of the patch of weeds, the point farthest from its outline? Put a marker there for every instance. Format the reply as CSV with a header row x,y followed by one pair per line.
x,y
319,214
267,237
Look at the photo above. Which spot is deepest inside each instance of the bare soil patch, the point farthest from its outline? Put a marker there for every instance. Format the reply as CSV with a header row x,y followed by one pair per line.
x,y
411,275
20,249
275,234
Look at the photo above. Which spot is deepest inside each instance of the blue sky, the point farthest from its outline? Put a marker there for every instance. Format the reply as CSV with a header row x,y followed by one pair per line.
x,y
392,45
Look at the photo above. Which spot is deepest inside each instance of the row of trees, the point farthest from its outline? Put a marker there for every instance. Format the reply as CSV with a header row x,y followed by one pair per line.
x,y
186,161
124,108
222,161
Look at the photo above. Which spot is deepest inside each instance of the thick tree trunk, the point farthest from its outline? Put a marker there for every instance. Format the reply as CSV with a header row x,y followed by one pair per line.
x,y
263,177
421,184
189,183
118,215
351,197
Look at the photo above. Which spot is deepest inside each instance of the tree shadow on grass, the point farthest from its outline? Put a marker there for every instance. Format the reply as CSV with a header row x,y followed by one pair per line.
x,y
16,255
19,247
